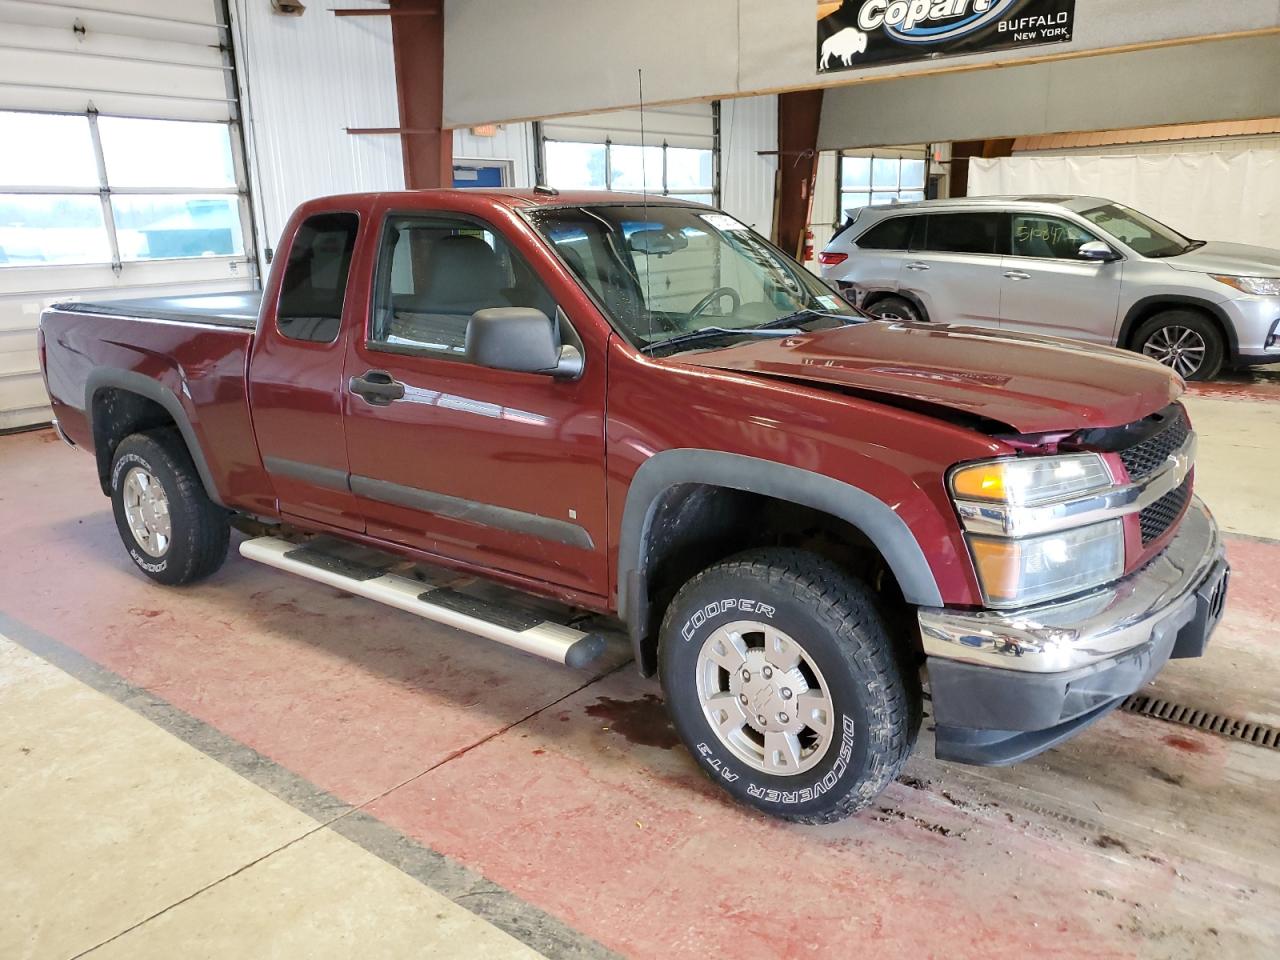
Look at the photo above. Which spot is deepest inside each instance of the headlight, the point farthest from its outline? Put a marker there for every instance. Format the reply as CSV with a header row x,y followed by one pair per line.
x,y
1258,286
1031,480
1015,573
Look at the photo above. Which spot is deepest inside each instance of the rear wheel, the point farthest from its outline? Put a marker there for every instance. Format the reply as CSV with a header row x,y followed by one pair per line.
x,y
784,683
173,532
1183,340
896,308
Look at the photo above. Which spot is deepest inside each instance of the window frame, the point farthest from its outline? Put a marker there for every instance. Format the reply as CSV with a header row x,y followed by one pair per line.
x,y
871,191
104,191
382,266
713,190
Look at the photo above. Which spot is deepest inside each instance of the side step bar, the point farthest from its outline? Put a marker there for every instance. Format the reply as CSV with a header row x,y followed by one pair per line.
x,y
515,628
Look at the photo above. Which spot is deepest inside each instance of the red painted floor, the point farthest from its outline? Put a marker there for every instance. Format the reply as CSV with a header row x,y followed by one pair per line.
x,y
588,809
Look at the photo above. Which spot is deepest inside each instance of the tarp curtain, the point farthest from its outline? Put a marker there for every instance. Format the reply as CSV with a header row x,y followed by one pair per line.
x,y
1207,196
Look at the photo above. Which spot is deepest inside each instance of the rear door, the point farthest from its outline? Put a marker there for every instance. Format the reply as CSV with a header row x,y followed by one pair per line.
x,y
1047,288
877,255
295,373
489,467
953,266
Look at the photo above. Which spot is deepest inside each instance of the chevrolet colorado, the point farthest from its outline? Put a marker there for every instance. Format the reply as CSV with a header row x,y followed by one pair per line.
x,y
527,414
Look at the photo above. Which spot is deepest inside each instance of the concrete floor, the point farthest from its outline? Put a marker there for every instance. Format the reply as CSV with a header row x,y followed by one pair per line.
x,y
260,766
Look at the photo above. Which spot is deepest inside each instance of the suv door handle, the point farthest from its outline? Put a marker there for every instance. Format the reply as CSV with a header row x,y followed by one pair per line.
x,y
1017,275
377,387
917,265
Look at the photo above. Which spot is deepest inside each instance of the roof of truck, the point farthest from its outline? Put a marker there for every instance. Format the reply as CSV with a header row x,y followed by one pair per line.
x,y
541,197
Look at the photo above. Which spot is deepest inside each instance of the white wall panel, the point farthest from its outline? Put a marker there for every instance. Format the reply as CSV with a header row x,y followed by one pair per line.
x,y
749,125
513,141
304,80
680,125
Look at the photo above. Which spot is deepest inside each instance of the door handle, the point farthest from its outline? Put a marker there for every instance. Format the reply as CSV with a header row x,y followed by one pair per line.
x,y
377,387
917,266
1017,275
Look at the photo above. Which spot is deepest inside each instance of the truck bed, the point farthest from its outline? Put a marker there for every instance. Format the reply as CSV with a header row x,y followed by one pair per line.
x,y
235,309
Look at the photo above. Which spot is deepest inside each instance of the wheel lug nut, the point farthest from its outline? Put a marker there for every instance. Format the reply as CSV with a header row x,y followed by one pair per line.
x,y
782,718
786,693
742,698
767,672
746,674
761,720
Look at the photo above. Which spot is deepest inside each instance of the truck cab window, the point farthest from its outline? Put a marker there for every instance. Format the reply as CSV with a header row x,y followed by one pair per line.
x,y
315,279
434,273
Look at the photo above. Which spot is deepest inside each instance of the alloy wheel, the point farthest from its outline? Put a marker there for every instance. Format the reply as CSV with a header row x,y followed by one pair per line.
x,y
146,510
1181,348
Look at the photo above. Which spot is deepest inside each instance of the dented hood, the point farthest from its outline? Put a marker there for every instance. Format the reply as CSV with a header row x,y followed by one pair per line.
x,y
1033,384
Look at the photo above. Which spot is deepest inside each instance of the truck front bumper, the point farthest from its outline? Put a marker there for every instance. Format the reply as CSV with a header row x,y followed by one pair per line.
x,y
1008,684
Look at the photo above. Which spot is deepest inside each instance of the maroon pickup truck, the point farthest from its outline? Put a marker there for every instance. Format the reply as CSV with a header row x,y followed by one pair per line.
x,y
533,415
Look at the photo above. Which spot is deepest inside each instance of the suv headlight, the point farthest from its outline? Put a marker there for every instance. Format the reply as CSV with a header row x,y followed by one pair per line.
x,y
1258,286
1019,571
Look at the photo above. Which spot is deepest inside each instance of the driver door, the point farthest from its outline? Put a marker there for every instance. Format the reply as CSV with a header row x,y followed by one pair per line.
x,y
489,467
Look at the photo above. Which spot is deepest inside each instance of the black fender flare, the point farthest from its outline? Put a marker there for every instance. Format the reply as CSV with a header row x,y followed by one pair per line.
x,y
869,514
1149,306
144,386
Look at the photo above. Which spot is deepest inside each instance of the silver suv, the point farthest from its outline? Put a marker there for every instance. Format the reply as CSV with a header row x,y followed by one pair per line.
x,y
1078,267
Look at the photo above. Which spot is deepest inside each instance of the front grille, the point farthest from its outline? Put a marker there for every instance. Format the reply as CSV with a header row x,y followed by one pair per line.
x,y
1161,515
1145,458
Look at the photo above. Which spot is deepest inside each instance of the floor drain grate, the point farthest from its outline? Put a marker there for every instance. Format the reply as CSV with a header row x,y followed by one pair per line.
x,y
1259,734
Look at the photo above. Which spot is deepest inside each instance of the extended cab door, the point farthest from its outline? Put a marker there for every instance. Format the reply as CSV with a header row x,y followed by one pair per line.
x,y
1047,288
295,373
953,266
490,467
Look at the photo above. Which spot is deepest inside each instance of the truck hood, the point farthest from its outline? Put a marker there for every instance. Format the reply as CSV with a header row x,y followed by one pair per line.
x,y
1232,259
1032,384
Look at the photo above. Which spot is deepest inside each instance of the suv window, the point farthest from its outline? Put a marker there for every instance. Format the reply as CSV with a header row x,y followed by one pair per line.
x,y
315,278
1035,235
959,233
892,234
435,272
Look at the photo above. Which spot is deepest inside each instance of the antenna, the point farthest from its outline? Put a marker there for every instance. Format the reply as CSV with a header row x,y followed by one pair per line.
x,y
644,194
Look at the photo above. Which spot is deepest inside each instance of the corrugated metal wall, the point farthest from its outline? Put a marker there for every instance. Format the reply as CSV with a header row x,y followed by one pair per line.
x,y
748,125
303,81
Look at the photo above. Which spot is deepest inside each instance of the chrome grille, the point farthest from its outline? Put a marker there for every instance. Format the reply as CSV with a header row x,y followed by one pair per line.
x,y
1161,515
1145,458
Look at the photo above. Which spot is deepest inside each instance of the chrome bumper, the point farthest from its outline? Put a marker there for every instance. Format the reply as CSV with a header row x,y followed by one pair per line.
x,y
57,428
1064,636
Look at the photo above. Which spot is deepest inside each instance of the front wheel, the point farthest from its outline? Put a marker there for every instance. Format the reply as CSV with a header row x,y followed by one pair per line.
x,y
1184,340
174,533
783,682
896,308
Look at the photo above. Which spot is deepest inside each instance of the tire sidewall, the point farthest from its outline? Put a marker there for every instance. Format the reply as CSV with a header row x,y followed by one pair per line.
x,y
716,601
1214,347
136,455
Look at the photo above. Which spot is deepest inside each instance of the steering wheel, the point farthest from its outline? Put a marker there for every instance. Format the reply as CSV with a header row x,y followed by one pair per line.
x,y
711,298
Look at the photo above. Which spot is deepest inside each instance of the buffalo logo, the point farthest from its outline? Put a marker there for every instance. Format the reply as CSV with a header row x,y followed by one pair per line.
x,y
843,46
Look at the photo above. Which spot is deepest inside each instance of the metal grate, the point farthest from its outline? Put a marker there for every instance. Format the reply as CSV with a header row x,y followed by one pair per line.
x,y
1258,734
1161,515
1145,458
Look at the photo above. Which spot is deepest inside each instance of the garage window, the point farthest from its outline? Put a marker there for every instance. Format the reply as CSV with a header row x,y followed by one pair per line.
x,y
877,181
116,189
669,171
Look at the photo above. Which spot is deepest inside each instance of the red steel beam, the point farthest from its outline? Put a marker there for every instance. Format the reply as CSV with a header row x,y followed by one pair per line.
x,y
798,116
417,43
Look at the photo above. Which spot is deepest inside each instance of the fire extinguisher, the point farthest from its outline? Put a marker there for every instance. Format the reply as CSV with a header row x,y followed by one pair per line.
x,y
808,246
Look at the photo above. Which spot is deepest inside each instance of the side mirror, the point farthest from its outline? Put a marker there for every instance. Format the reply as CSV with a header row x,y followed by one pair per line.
x,y
1096,250
521,339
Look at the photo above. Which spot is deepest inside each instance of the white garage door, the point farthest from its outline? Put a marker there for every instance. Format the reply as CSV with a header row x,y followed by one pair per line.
x,y
121,168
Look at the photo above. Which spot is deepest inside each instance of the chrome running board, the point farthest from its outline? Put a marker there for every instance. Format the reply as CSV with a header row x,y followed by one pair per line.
x,y
514,627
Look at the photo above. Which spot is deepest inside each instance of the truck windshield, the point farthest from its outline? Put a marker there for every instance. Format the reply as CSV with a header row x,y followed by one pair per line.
x,y
1149,237
664,272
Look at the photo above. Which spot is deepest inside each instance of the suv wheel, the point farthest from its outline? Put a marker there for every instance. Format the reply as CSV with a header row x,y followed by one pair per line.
x,y
783,682
896,308
174,533
1184,340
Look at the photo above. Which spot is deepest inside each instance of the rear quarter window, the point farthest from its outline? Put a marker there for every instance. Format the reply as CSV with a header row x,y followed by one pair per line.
x,y
315,279
892,234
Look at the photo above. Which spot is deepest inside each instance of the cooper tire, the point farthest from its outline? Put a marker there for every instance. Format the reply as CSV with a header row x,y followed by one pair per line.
x,y
896,308
874,696
1181,339
198,530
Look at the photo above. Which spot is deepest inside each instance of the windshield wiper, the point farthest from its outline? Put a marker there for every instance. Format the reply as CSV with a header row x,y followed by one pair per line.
x,y
807,312
705,333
